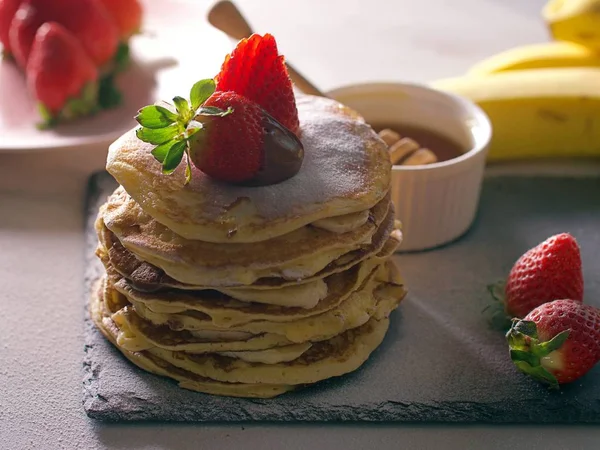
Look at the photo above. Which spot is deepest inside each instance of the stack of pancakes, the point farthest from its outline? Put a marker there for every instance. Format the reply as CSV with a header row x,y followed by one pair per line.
x,y
252,291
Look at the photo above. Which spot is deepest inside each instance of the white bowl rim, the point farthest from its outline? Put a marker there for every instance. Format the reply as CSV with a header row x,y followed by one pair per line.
x,y
482,119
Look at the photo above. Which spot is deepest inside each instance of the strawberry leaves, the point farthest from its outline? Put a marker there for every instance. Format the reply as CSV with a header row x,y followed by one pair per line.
x,y
201,91
158,136
156,116
527,351
171,127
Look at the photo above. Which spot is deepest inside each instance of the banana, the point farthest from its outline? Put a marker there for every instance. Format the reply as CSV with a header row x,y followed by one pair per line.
x,y
574,20
537,56
537,113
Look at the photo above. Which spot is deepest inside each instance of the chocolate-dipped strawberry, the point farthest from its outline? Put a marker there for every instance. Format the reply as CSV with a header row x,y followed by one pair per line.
x,y
238,130
248,146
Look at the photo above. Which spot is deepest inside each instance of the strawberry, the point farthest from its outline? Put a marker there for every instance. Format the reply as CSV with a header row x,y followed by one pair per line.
x,y
23,27
126,14
231,147
60,75
224,134
256,70
91,23
8,8
548,271
556,343
88,20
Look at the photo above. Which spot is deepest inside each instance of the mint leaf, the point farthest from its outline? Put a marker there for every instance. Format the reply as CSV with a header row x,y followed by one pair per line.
x,y
214,111
173,157
201,91
159,135
155,116
160,152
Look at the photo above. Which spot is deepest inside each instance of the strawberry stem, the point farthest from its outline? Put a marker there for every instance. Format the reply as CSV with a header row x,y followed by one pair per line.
x,y
170,129
495,312
526,350
188,167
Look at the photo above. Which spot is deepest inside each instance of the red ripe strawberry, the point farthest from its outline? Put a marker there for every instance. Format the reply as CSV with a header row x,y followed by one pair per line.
x,y
126,14
256,70
557,342
247,146
91,23
23,27
224,134
88,20
60,74
549,271
231,147
8,8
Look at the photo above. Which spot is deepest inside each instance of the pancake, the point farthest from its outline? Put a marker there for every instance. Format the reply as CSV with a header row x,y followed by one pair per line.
x,y
149,278
334,357
346,169
351,313
343,224
272,355
296,255
186,380
224,311
342,354
137,334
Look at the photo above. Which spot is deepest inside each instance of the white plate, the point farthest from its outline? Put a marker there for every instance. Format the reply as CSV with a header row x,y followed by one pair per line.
x,y
177,48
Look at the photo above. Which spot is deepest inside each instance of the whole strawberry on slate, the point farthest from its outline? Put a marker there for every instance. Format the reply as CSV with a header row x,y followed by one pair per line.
x,y
240,129
547,272
556,343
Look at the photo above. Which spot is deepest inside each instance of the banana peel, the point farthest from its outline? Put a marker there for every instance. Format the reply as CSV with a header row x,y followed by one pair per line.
x,y
537,113
538,56
574,21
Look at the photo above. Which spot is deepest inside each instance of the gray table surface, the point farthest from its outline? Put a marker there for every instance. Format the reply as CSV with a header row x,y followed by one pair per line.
x,y
41,238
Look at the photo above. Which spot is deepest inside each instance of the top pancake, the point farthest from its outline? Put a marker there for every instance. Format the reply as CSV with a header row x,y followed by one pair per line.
x,y
346,169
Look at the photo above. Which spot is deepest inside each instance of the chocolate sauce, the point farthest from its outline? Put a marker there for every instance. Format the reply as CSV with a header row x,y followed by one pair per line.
x,y
443,147
284,154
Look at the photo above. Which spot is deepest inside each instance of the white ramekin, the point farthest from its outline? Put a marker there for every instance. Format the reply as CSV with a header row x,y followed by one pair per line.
x,y
436,203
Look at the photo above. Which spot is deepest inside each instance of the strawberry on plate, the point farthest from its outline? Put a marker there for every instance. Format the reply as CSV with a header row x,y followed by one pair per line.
x,y
88,20
8,8
548,271
60,74
25,23
126,14
256,70
556,343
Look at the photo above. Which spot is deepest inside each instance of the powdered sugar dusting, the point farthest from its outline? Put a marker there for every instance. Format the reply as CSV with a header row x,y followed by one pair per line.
x,y
346,169
336,165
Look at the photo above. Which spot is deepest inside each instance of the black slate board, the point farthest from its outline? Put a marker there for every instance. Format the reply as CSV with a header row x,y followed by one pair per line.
x,y
440,362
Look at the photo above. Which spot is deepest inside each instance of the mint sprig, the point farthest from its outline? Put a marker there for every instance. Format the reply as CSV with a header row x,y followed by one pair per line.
x,y
171,127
